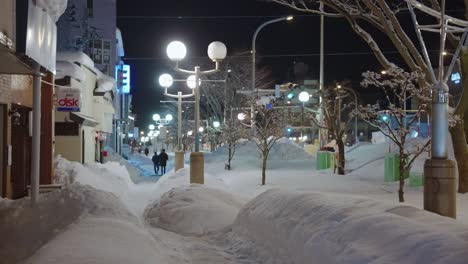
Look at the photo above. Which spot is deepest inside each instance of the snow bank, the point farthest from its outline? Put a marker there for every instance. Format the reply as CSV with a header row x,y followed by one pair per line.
x,y
292,227
24,228
104,82
193,210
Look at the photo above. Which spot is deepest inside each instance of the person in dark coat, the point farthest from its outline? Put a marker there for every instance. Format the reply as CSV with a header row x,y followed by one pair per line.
x,y
146,151
155,160
163,160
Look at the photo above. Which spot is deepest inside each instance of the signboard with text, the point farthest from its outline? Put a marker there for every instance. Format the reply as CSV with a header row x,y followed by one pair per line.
x,y
68,100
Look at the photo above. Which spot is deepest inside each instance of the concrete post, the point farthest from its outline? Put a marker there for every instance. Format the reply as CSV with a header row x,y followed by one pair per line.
x,y
197,168
440,187
179,160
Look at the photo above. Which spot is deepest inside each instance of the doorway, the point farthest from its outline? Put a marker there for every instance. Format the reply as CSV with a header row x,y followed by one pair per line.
x,y
21,151
3,149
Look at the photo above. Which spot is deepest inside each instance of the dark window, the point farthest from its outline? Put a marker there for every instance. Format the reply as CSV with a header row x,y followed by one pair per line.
x,y
66,129
90,8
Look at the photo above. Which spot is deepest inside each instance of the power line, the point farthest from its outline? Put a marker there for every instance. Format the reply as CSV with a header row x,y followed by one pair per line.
x,y
278,55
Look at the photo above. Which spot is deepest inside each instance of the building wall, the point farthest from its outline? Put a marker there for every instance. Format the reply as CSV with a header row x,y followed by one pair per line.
x,y
5,97
68,147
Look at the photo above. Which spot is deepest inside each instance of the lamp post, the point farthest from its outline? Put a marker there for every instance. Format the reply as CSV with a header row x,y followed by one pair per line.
x,y
254,51
304,98
161,122
166,81
176,51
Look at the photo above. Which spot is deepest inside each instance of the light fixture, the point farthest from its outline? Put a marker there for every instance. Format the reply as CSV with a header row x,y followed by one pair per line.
x,y
176,50
383,72
241,116
216,124
191,82
189,133
151,127
169,117
304,96
201,129
217,51
156,117
166,80
289,18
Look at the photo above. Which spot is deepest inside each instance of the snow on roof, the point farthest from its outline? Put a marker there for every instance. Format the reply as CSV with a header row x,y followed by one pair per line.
x,y
75,56
104,83
120,47
55,8
66,68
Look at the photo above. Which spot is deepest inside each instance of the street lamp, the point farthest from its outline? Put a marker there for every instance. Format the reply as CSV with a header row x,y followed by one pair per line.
x,y
254,38
151,127
176,51
166,80
156,117
216,124
201,129
169,117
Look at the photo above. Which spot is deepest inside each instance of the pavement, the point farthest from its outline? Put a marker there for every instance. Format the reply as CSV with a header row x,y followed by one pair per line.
x,y
145,166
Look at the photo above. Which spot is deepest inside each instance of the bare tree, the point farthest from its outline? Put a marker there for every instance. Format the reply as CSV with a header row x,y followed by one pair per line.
x,y
231,136
368,18
269,128
404,86
336,105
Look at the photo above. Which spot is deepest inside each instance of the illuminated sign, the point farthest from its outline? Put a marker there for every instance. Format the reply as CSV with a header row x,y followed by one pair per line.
x,y
455,77
68,100
122,75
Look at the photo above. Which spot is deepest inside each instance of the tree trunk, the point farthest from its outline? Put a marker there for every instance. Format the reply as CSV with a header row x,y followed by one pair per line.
x,y
341,156
402,160
460,150
264,164
229,155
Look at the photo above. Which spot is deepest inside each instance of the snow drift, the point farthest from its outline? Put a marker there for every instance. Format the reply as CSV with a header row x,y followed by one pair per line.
x,y
194,210
24,228
294,227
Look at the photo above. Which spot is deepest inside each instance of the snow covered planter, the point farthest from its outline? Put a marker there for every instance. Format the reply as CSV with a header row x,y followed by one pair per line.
x,y
193,210
293,227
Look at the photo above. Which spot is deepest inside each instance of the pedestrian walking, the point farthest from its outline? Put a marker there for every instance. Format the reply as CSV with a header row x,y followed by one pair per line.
x,y
146,151
163,161
155,160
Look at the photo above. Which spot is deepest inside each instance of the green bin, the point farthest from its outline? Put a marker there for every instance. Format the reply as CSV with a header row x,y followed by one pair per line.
x,y
392,168
416,179
325,160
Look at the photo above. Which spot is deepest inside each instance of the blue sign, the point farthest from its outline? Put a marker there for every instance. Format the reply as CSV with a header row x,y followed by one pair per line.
x,y
269,106
455,77
122,75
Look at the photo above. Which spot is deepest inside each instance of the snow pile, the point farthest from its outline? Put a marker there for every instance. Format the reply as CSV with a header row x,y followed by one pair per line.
x,y
66,68
25,228
104,82
55,8
193,210
294,227
75,56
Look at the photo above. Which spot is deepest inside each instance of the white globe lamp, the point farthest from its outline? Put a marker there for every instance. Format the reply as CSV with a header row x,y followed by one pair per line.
x,y
190,133
166,80
191,81
176,51
216,124
304,96
151,127
201,129
217,51
241,116
169,117
156,117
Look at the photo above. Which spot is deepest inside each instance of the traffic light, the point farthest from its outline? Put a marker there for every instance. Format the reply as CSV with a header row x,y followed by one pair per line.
x,y
123,77
289,130
291,95
385,117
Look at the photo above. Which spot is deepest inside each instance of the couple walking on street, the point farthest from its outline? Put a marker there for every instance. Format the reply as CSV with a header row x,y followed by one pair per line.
x,y
160,161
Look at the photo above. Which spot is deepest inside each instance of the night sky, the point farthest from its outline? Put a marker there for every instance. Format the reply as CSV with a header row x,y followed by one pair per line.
x,y
148,26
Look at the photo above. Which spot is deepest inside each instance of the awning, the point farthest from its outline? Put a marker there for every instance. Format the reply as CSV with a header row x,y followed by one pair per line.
x,y
83,119
11,64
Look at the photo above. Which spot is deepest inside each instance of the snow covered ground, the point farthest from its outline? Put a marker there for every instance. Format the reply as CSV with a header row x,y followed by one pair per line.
x,y
108,215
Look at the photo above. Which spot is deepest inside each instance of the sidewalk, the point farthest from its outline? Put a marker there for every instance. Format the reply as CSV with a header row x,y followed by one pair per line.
x,y
145,165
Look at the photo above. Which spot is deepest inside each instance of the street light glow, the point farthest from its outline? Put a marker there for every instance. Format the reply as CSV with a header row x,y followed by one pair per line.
x,y
201,129
241,116
216,124
169,117
156,117
217,51
151,127
191,81
190,133
304,96
290,18
166,80
176,50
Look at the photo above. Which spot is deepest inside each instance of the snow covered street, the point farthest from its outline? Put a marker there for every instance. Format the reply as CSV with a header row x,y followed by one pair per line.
x,y
302,215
